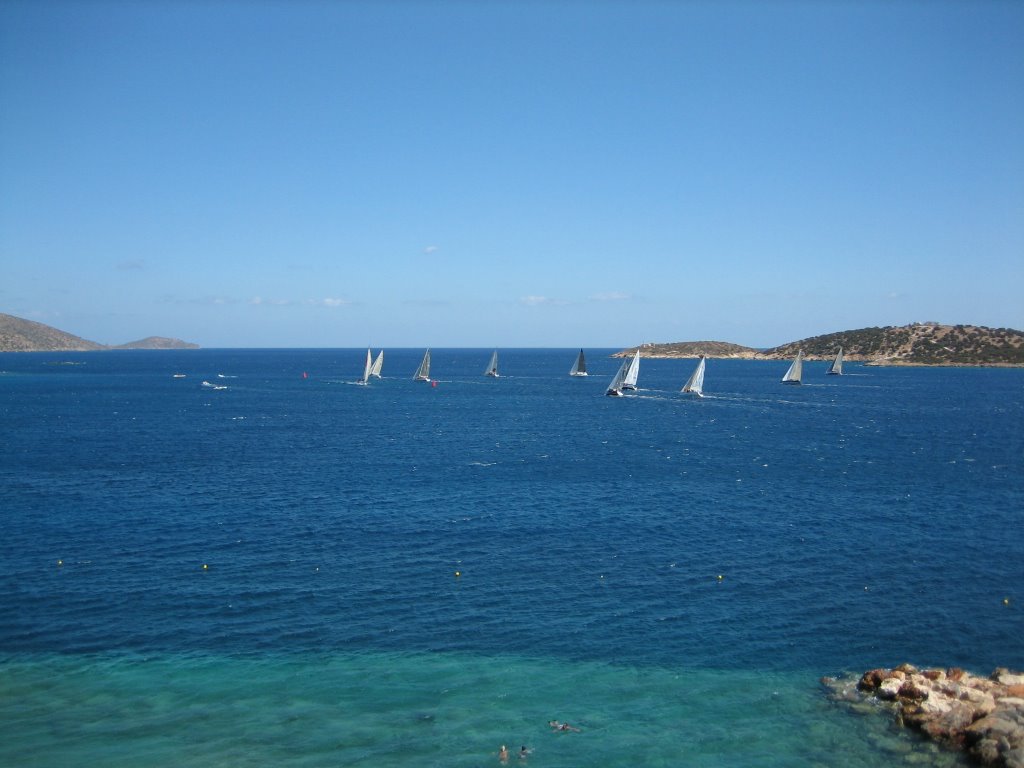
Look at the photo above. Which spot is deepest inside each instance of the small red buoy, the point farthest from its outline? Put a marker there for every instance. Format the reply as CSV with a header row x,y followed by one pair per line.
x,y
305,375
433,383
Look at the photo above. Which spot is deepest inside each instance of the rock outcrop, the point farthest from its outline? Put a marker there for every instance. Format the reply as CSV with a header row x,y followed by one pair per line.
x,y
983,716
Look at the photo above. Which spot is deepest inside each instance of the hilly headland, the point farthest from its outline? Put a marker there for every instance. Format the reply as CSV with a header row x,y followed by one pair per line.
x,y
915,344
20,335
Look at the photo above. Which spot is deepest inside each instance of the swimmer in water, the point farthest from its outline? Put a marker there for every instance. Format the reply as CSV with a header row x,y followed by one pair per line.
x,y
557,726
503,754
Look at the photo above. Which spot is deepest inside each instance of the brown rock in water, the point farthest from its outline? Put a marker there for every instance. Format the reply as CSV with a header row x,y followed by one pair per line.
x,y
872,679
983,716
911,692
949,728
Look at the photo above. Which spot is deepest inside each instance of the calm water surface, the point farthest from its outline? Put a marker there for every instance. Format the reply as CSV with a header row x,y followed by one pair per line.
x,y
301,571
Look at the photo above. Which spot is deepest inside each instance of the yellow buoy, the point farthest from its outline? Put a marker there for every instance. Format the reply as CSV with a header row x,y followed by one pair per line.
x,y
720,577
1006,601
205,566
60,562
458,573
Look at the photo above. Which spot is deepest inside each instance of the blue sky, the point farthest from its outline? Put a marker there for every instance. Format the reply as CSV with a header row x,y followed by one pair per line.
x,y
339,174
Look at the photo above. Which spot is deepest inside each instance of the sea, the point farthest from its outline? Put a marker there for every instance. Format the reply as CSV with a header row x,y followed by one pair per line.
x,y
225,558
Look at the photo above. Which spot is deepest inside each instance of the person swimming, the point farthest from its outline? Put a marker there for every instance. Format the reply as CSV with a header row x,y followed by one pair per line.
x,y
503,754
557,726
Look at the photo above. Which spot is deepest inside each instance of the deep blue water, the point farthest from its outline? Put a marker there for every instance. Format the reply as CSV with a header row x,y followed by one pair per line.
x,y
855,521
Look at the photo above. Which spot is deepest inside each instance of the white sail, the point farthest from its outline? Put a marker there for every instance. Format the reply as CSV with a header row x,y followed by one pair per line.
x,y
366,369
492,367
796,369
579,368
629,382
836,369
378,364
423,372
695,383
615,385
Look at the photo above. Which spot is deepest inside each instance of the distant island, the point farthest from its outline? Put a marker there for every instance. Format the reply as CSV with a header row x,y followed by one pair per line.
x,y
916,344
20,335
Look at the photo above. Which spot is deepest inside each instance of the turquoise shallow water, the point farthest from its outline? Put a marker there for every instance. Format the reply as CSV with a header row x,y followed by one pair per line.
x,y
412,709
856,522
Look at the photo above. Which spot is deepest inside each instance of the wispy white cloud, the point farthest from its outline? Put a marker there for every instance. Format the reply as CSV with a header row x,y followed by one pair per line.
x,y
131,264
611,296
203,301
329,302
431,249
260,301
541,301
256,301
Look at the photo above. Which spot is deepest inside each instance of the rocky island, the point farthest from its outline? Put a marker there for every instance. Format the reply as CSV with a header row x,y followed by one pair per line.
x,y
915,344
982,716
20,335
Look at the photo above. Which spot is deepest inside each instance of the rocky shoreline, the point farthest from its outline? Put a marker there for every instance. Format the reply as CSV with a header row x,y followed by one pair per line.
x,y
982,716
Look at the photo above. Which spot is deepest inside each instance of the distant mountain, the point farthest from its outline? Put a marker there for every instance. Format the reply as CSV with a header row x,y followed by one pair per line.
x,y
157,342
20,335
917,344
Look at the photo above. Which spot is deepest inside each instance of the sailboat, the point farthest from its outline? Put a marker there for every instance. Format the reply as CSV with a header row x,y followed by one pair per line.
x,y
695,383
629,382
836,369
796,370
615,387
423,372
377,365
492,367
366,369
579,368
